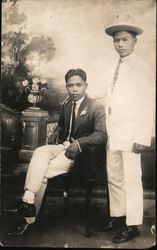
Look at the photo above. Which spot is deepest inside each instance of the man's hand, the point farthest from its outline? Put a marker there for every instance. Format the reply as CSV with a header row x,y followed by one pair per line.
x,y
138,148
72,150
54,138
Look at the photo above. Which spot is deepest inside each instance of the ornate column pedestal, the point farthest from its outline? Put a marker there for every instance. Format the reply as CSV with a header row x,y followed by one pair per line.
x,y
34,131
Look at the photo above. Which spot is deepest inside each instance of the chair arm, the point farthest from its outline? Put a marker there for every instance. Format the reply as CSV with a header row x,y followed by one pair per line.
x,y
91,162
96,151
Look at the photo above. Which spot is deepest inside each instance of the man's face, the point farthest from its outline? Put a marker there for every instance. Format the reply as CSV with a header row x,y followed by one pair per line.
x,y
76,87
124,43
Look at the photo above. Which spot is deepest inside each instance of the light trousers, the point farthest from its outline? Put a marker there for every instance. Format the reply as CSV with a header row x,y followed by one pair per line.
x,y
125,186
47,161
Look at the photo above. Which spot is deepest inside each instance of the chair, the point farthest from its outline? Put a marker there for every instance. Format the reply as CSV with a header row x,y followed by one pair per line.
x,y
89,169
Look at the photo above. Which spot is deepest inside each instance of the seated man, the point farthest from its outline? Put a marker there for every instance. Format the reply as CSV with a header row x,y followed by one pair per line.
x,y
81,124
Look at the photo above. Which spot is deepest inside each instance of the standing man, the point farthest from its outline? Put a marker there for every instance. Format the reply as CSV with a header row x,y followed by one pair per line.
x,y
81,124
129,116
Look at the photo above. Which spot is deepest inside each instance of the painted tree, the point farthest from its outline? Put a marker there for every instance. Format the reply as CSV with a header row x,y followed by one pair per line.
x,y
17,47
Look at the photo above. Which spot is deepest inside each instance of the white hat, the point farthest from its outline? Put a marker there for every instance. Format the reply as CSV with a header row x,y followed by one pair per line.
x,y
123,27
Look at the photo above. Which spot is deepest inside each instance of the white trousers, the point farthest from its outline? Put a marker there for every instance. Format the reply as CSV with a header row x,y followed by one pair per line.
x,y
47,161
125,186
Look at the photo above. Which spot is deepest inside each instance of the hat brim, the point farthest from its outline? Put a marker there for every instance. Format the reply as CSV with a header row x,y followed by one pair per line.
x,y
123,27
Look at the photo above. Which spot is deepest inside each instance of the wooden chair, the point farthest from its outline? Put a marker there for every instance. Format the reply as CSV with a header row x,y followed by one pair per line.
x,y
88,170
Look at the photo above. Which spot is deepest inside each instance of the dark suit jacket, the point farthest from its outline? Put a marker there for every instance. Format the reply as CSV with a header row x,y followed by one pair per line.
x,y
89,125
89,130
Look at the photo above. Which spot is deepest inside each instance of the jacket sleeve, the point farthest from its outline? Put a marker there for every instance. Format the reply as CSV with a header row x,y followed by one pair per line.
x,y
60,127
99,135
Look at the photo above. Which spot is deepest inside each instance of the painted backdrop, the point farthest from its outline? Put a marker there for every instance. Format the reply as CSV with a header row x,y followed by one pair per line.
x,y
57,35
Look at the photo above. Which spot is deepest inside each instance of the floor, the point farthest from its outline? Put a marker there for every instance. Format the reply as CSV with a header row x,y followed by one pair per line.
x,y
63,227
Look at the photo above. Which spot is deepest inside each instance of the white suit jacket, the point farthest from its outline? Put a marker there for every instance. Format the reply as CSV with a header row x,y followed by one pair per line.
x,y
131,104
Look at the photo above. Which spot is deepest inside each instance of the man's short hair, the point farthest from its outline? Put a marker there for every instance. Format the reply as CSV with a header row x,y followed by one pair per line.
x,y
76,72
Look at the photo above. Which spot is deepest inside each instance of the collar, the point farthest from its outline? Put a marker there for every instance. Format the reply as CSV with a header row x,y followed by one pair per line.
x,y
127,58
78,103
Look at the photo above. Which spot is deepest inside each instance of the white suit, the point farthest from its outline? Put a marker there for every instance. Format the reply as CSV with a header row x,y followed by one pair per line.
x,y
129,111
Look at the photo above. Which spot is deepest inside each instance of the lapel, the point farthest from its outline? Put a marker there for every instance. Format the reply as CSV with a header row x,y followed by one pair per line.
x,y
67,114
80,118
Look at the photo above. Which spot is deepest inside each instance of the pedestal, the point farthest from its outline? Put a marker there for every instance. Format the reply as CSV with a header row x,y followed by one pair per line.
x,y
34,131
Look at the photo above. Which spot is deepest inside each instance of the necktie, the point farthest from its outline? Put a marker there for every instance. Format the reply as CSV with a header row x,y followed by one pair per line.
x,y
116,73
73,122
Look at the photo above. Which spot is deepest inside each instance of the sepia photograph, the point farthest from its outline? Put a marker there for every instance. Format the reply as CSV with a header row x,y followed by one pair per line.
x,y
78,121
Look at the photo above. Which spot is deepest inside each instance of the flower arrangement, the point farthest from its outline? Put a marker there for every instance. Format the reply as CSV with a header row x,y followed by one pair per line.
x,y
35,86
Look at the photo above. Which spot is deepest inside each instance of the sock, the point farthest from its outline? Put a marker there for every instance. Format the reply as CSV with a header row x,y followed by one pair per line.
x,y
28,197
30,220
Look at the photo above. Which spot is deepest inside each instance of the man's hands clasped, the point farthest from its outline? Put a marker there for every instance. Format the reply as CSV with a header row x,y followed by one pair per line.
x,y
54,138
72,150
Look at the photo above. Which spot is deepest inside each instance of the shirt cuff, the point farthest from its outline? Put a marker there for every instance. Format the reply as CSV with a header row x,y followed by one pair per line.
x,y
78,146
